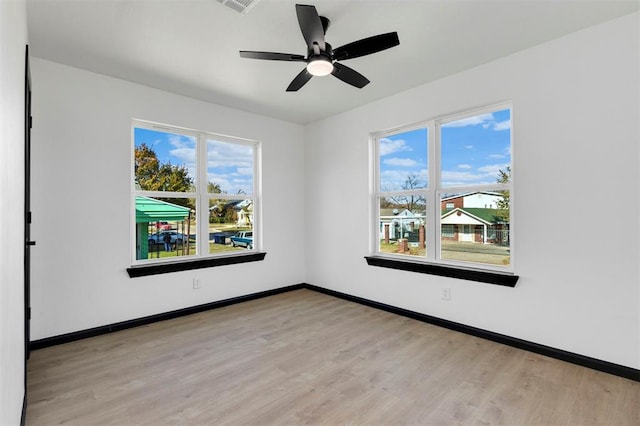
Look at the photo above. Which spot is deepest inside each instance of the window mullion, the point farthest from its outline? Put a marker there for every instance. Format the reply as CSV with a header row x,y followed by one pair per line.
x,y
202,204
374,197
434,183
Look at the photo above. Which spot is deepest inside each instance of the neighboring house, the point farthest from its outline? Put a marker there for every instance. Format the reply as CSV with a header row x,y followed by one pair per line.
x,y
475,225
402,223
485,200
243,210
245,215
472,217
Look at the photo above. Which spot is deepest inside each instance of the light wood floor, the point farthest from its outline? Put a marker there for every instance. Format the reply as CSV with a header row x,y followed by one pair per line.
x,y
307,358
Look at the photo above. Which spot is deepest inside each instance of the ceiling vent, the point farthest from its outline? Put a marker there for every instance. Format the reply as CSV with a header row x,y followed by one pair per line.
x,y
242,6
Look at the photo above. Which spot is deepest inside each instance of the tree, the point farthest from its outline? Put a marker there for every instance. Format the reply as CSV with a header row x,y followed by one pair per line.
x,y
413,201
214,188
146,166
152,175
504,176
223,211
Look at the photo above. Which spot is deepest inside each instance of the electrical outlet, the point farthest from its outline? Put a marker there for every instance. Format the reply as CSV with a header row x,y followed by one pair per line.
x,y
196,283
446,294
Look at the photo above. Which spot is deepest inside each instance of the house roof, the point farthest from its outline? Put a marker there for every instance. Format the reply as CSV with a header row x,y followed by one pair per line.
x,y
152,210
396,213
235,204
466,194
487,216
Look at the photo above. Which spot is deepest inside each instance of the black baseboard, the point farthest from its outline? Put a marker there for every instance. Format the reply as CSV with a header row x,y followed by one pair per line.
x,y
23,416
96,331
585,361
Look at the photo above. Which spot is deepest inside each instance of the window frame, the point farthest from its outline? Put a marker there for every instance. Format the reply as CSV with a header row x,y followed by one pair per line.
x,y
433,194
202,257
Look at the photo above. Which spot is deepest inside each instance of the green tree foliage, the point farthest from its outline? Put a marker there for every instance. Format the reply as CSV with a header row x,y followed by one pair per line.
x,y
503,205
151,175
222,211
214,188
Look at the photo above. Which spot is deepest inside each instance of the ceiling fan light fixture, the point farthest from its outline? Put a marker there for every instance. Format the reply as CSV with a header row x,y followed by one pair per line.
x,y
320,67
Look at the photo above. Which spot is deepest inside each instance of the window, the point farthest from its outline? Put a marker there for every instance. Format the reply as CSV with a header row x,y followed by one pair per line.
x,y
195,194
448,231
443,191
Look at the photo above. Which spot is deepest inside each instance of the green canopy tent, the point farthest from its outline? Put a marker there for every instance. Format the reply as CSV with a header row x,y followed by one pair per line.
x,y
150,210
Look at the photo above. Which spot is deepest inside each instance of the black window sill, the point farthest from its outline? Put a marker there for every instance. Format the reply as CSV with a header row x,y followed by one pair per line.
x,y
164,268
489,277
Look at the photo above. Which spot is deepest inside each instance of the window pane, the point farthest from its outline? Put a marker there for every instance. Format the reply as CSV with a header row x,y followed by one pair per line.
x,y
402,225
164,161
229,168
475,227
403,160
474,150
230,225
165,227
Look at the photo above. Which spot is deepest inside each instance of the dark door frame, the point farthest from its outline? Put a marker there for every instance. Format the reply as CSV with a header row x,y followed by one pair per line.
x,y
27,210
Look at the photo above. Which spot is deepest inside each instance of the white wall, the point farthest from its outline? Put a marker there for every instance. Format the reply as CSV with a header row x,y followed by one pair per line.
x,y
576,132
13,39
81,202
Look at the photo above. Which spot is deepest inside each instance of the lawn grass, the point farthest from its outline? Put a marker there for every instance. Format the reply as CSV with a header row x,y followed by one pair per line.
x,y
392,247
213,249
466,252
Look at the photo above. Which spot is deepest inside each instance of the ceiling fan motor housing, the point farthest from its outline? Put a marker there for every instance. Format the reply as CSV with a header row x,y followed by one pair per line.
x,y
327,54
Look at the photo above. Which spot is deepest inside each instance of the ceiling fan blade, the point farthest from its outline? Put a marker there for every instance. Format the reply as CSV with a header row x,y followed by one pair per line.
x,y
300,80
366,46
349,75
271,56
310,25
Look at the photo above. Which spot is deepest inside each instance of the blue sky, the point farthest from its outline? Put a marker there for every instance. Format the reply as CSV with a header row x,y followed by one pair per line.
x,y
473,150
229,165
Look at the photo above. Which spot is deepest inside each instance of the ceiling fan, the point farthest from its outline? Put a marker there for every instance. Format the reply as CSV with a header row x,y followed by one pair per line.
x,y
321,58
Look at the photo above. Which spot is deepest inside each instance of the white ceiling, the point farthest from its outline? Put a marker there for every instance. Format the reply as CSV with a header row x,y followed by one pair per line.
x,y
190,47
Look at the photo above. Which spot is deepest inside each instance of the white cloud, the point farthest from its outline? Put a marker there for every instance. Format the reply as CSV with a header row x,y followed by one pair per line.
x,y
465,177
471,121
232,183
245,171
487,174
400,162
492,169
464,166
468,146
395,179
506,153
503,125
486,120
222,154
187,155
388,146
184,149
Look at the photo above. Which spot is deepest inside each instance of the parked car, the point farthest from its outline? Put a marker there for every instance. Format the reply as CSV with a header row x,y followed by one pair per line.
x,y
176,237
243,239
